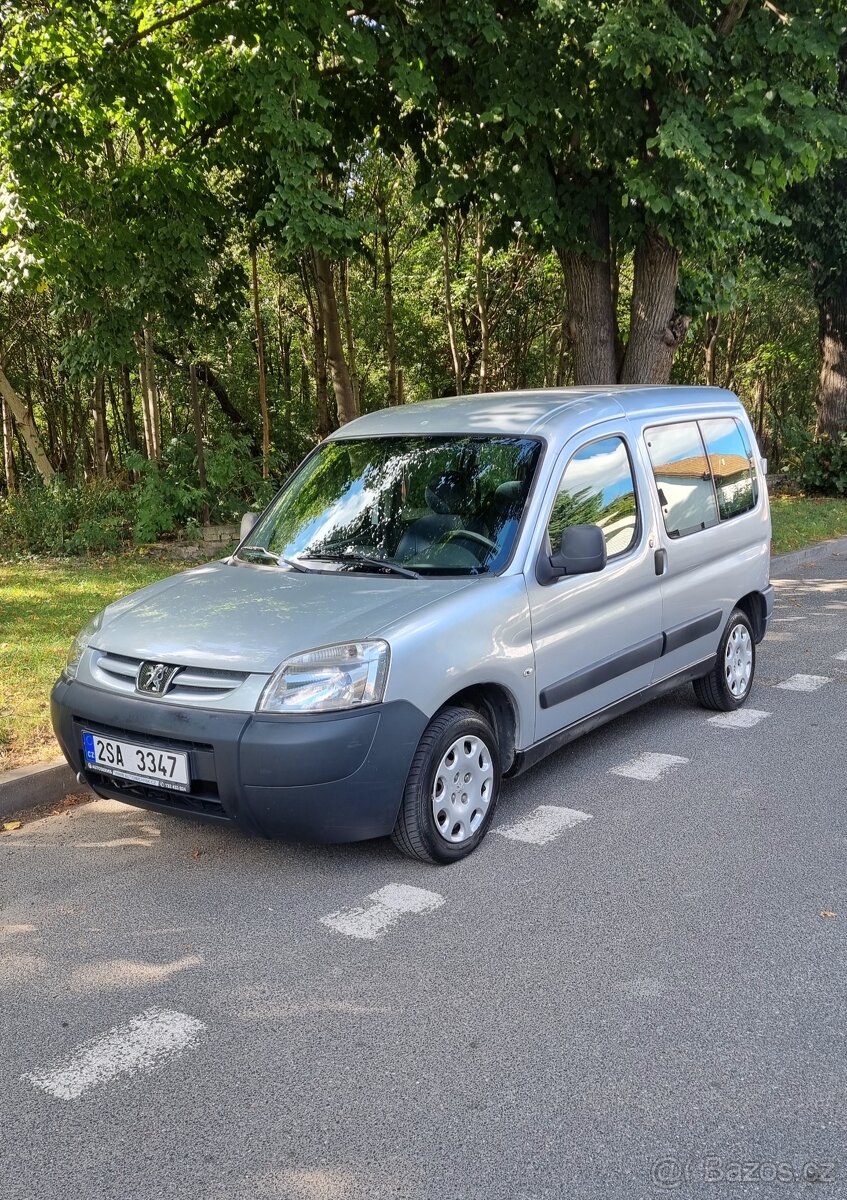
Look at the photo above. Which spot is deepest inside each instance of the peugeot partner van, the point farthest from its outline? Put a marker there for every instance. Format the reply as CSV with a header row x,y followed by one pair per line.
x,y
439,596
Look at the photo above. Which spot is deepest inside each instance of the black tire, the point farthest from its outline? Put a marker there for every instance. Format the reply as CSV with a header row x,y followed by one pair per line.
x,y
416,833
713,690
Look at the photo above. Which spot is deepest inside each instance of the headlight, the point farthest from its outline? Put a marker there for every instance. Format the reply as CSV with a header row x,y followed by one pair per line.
x,y
333,678
80,645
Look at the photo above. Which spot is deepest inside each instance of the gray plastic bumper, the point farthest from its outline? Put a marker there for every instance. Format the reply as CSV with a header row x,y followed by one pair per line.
x,y
334,777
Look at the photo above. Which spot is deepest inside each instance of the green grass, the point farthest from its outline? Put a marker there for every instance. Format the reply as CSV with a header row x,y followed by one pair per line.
x,y
803,520
44,603
42,606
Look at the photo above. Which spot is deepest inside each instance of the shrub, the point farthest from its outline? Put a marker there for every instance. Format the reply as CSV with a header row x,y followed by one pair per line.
x,y
65,519
822,466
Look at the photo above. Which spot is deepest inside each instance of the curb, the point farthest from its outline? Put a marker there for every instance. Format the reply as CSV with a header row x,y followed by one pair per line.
x,y
795,558
39,786
47,783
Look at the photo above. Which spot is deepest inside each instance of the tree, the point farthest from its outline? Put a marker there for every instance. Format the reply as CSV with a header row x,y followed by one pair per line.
x,y
665,131
818,212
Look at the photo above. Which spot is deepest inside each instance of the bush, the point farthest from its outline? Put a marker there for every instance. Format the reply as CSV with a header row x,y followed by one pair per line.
x,y
822,466
168,496
65,519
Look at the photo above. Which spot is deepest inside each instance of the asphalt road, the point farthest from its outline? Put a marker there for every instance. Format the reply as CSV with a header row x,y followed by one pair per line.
x,y
648,1003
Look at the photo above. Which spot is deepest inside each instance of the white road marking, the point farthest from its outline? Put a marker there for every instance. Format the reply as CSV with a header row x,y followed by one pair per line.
x,y
742,718
804,683
544,824
386,908
140,1045
789,619
648,766
842,657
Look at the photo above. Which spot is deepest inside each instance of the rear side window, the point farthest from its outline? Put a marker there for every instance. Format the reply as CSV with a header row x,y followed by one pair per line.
x,y
683,478
732,466
597,488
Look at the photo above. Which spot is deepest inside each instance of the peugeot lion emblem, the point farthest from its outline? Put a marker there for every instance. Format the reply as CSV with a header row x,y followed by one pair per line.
x,y
155,678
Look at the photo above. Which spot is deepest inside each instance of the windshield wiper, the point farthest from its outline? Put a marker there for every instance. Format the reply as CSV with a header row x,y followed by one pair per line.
x,y
264,555
362,560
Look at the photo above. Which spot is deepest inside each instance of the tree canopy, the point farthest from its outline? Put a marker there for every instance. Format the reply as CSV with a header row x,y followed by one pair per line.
x,y
237,222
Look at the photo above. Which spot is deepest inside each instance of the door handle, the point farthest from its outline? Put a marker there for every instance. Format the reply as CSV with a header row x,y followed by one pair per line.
x,y
660,559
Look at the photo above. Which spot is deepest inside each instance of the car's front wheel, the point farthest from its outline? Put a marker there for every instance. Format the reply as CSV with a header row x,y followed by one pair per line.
x,y
452,788
728,684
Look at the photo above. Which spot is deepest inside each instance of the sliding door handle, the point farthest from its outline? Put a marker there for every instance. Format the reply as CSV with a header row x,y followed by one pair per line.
x,y
660,559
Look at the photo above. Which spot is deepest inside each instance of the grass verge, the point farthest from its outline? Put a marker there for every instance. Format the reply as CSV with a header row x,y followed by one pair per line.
x,y
42,606
803,520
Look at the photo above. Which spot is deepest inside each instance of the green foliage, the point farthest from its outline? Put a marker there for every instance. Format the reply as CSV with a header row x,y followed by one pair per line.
x,y
648,109
167,496
822,466
63,519
95,517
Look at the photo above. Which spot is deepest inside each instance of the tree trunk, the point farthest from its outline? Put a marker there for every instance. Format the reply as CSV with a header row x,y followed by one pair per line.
x,y
713,325
197,414
207,376
128,410
345,401
263,378
8,447
287,391
98,412
481,306
388,305
343,276
760,410
591,314
656,328
318,346
831,395
448,309
26,428
149,396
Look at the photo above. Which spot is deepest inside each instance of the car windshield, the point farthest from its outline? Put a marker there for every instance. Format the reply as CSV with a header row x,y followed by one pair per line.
x,y
401,505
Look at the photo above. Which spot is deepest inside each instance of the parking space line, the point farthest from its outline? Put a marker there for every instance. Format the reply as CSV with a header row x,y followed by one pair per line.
x,y
648,766
544,824
741,718
842,657
804,683
386,907
139,1046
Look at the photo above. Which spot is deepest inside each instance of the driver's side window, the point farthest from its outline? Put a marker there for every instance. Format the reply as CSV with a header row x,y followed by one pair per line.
x,y
597,488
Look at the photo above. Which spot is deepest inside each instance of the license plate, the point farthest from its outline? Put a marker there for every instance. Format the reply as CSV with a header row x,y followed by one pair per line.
x,y
144,764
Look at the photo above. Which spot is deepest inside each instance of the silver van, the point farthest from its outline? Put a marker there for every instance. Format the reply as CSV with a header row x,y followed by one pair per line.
x,y
439,596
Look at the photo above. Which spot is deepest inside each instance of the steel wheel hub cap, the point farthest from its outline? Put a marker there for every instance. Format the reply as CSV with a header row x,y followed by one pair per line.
x,y
463,787
738,661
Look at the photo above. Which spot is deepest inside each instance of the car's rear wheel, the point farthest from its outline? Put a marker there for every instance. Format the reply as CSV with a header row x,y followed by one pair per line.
x,y
452,788
728,684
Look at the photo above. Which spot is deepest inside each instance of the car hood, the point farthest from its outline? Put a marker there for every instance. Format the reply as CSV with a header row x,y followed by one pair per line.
x,y
249,618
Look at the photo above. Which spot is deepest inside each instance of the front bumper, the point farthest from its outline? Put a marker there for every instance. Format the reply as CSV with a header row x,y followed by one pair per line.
x,y
768,596
333,777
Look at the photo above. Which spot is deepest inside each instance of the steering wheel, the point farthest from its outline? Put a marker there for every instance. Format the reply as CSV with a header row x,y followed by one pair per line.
x,y
452,534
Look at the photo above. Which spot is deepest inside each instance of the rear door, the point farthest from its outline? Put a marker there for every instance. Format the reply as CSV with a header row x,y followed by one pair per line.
x,y
705,485
596,636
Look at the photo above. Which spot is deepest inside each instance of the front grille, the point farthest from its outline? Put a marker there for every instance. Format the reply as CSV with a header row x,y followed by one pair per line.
x,y
203,797
119,672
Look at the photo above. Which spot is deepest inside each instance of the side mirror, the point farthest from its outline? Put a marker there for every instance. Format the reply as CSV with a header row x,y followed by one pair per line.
x,y
582,551
247,523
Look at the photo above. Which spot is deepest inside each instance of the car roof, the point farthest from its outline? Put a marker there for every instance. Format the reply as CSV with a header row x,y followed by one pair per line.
x,y
549,412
